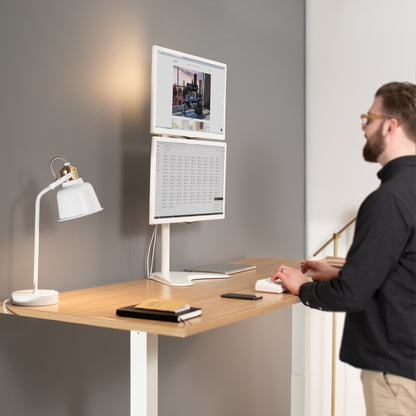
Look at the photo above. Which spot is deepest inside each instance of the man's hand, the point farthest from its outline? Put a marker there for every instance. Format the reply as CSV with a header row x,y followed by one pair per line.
x,y
292,278
319,270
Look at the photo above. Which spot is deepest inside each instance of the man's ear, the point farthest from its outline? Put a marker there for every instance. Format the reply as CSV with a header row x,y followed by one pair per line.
x,y
393,125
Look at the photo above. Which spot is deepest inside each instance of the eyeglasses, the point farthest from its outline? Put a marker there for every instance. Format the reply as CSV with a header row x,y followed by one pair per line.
x,y
365,118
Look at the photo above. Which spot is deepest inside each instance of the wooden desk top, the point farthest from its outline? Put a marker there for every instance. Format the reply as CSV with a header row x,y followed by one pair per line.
x,y
97,306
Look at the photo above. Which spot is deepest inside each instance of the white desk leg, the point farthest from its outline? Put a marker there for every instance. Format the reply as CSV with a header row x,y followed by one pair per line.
x,y
143,374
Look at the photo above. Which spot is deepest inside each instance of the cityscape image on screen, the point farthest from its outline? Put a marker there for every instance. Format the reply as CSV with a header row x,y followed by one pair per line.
x,y
191,95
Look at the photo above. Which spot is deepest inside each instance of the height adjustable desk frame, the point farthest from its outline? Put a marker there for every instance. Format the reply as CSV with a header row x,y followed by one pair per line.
x,y
97,307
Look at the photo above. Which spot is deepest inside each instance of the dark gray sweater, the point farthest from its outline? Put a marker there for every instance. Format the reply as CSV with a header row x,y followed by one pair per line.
x,y
377,285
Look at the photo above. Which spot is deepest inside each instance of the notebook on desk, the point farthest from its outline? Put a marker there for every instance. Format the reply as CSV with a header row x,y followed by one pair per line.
x,y
226,268
142,313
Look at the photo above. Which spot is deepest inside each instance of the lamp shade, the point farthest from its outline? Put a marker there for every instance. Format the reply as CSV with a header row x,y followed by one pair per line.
x,y
76,199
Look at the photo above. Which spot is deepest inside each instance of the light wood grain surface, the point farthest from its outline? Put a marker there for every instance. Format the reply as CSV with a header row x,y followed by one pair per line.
x,y
97,306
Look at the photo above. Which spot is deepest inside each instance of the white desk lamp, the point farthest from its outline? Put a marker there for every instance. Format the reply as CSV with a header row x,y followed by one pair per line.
x,y
75,199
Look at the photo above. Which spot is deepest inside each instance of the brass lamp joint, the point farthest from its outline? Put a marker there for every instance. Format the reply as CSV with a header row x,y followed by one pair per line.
x,y
67,168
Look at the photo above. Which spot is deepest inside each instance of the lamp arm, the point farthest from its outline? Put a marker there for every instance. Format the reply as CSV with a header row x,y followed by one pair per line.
x,y
53,185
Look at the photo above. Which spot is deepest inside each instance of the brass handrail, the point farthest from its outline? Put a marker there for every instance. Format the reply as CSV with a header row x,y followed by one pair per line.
x,y
334,238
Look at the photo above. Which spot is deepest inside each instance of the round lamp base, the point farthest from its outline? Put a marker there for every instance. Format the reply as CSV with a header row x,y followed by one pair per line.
x,y
41,297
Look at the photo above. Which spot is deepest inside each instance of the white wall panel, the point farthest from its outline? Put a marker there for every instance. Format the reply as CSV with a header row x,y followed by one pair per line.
x,y
353,47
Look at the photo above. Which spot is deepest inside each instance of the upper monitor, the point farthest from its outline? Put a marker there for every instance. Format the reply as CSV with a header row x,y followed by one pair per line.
x,y
188,95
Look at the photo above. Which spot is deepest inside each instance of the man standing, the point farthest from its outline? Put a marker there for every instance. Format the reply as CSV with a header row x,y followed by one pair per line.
x,y
377,285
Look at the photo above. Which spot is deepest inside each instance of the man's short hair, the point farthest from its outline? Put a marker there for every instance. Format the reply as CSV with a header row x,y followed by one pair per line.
x,y
399,102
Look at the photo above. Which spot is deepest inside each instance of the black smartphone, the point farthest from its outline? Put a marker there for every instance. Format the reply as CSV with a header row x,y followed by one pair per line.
x,y
241,296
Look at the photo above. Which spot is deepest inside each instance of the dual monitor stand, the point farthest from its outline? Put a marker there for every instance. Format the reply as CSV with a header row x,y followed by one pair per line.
x,y
177,278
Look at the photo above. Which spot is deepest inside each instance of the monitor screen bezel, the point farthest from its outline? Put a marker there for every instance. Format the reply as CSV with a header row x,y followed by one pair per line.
x,y
154,91
152,190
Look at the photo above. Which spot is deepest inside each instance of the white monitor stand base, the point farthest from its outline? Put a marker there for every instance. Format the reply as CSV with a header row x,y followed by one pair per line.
x,y
184,278
177,278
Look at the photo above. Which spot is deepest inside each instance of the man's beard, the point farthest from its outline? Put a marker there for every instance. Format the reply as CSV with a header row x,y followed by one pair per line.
x,y
375,146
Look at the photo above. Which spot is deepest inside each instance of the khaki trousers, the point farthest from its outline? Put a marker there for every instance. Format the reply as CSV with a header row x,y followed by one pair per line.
x,y
388,395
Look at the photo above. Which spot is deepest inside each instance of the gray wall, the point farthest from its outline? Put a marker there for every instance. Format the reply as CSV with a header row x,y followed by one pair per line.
x,y
75,81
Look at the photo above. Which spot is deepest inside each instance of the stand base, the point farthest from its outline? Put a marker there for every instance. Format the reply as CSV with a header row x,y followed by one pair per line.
x,y
184,278
35,298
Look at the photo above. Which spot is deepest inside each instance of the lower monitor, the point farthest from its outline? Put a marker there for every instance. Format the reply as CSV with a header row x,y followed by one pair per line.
x,y
187,183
